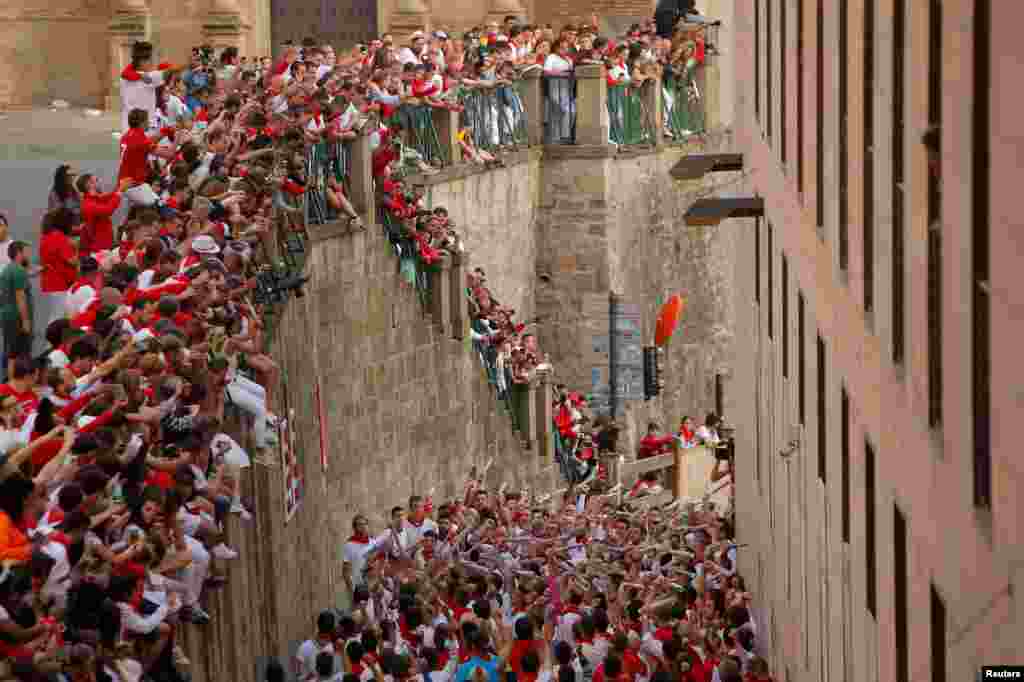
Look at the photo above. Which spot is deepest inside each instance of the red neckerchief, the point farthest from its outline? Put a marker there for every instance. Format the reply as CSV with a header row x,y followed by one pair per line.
x,y
570,608
130,74
358,668
663,634
57,536
585,640
686,434
360,539
442,659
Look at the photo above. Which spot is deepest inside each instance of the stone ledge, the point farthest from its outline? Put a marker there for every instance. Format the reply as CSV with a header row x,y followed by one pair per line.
x,y
337,228
460,171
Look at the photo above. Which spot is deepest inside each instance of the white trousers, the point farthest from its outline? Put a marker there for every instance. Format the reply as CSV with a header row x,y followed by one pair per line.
x,y
55,304
251,398
195,574
141,195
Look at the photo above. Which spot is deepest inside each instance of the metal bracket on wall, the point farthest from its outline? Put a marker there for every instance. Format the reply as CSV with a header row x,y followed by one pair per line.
x,y
696,166
714,211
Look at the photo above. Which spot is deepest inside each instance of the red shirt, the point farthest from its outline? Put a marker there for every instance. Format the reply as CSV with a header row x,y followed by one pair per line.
x,y
56,253
98,234
27,402
135,149
652,445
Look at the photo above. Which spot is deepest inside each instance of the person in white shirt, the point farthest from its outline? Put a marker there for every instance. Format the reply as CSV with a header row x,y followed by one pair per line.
x,y
708,433
304,665
412,53
139,82
418,522
356,553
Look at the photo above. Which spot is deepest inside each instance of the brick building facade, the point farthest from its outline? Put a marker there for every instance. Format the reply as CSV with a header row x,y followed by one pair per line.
x,y
875,391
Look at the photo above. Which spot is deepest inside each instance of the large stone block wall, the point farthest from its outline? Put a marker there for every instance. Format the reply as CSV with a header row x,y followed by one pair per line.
x,y
496,214
615,224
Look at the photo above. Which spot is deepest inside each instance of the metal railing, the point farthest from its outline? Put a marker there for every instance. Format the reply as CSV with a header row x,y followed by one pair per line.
x,y
629,123
422,136
495,116
511,396
559,96
325,161
683,98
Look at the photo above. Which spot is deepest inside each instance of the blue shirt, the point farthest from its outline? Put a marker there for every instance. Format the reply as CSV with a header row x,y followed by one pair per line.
x,y
489,665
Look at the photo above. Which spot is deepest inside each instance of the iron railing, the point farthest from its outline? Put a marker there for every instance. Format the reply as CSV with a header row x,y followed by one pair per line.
x,y
629,122
683,98
495,116
559,95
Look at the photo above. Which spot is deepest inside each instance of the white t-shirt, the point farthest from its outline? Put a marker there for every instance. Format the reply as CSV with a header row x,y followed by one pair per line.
x,y
140,94
357,554
58,358
177,110
413,534
556,64
306,657
80,299
407,56
4,260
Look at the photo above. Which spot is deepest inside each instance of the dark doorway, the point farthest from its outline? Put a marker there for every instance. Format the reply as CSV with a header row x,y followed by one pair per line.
x,y
339,24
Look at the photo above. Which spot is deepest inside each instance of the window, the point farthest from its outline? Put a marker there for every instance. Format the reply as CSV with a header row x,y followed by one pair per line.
x,y
938,637
844,154
757,261
719,396
822,407
769,74
869,530
981,181
934,215
844,463
771,284
801,363
819,113
899,29
800,97
784,326
868,97
899,570
757,60
783,58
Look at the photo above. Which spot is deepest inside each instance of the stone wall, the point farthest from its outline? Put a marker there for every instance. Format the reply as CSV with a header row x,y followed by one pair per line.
x,y
496,214
613,223
62,49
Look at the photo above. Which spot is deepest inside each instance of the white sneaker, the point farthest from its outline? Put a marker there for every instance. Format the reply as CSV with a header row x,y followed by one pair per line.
x,y
224,552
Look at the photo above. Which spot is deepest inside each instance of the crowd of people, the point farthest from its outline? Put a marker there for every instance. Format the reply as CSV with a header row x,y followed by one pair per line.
x,y
117,471
502,585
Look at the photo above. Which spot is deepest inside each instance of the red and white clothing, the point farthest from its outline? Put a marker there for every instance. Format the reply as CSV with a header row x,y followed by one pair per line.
x,y
357,550
138,91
